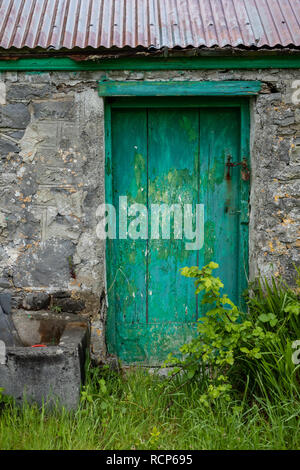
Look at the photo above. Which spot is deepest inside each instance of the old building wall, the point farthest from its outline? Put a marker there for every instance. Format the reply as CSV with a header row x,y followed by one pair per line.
x,y
52,181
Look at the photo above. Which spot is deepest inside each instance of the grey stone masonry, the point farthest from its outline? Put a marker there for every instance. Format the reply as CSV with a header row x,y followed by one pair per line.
x,y
52,181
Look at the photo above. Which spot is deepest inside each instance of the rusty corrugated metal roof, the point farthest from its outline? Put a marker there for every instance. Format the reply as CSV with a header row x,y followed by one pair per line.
x,y
148,23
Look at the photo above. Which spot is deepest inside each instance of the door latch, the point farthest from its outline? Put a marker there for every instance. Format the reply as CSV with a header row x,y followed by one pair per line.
x,y
245,171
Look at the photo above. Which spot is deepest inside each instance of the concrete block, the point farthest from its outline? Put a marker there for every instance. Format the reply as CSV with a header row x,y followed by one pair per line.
x,y
50,374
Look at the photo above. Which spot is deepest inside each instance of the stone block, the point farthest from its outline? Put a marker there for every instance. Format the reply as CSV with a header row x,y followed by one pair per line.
x,y
67,304
46,265
36,301
15,116
53,109
23,91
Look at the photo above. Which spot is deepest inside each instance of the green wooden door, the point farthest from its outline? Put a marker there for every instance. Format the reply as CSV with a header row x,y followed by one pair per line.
x,y
170,156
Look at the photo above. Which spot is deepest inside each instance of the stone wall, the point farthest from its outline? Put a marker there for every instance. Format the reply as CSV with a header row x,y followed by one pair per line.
x,y
52,181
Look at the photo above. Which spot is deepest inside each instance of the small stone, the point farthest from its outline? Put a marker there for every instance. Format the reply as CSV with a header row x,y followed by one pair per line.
x,y
61,295
68,304
5,302
2,352
36,301
4,283
2,93
288,121
7,146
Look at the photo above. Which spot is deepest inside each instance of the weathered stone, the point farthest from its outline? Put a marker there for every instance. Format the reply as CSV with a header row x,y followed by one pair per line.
x,y
3,220
46,375
15,116
61,294
2,352
8,178
7,146
68,305
46,265
286,122
29,143
54,109
283,150
4,283
16,135
36,301
23,91
5,302
2,93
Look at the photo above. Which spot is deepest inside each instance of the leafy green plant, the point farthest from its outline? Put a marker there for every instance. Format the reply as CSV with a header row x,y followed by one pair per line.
x,y
272,302
154,436
56,309
276,307
234,351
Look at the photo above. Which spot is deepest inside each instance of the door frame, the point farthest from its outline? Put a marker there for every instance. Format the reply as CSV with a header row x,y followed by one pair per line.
x,y
182,102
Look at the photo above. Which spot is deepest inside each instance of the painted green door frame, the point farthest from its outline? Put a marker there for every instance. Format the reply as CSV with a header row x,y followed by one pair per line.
x,y
242,104
179,88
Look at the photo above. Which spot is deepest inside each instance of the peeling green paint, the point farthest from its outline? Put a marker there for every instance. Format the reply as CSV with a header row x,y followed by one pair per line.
x,y
179,88
108,166
210,238
132,257
191,131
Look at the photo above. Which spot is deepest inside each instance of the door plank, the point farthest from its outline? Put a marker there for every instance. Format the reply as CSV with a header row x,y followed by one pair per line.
x,y
220,137
128,291
173,179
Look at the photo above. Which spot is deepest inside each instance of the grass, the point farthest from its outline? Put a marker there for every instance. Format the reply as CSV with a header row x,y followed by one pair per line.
x,y
136,410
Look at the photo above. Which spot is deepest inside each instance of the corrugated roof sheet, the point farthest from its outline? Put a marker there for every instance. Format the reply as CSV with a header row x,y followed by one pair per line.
x,y
148,23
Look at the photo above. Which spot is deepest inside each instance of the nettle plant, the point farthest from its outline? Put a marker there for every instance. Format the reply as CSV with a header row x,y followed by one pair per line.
x,y
226,341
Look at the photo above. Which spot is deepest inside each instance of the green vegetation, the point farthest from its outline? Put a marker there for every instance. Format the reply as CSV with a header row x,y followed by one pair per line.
x,y
142,411
234,387
238,354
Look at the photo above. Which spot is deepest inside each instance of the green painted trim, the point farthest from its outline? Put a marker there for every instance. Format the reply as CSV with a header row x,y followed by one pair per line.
x,y
179,102
179,88
257,61
109,252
